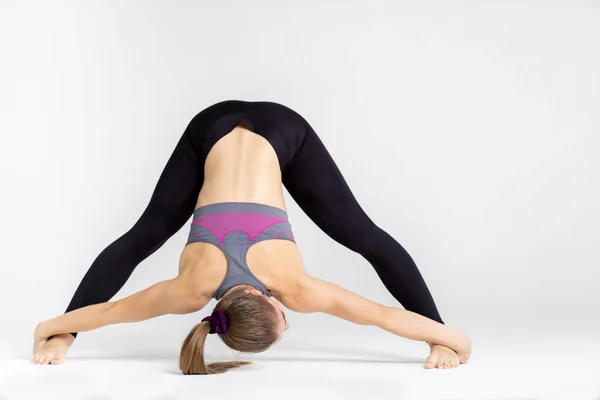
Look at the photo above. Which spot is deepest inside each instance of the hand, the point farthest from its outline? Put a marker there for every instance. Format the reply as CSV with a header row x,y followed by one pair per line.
x,y
462,347
40,336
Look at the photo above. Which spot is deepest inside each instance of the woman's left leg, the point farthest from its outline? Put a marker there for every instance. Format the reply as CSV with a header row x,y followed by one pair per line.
x,y
171,205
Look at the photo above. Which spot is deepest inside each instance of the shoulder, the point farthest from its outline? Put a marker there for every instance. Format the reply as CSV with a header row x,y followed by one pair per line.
x,y
305,294
316,295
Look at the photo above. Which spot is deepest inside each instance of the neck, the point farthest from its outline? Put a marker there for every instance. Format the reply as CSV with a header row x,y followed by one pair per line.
x,y
238,287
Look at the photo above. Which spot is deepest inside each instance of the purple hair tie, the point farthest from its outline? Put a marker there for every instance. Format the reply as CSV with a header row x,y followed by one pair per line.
x,y
218,321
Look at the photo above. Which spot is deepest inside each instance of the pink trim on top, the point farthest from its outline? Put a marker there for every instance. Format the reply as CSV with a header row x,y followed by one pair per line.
x,y
195,234
249,223
281,233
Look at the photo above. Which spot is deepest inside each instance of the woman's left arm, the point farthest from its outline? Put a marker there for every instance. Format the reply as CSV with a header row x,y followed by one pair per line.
x,y
171,296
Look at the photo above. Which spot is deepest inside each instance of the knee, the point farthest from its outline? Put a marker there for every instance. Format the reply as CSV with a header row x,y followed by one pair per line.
x,y
365,240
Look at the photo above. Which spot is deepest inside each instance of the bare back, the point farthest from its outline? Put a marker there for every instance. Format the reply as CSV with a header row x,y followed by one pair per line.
x,y
242,167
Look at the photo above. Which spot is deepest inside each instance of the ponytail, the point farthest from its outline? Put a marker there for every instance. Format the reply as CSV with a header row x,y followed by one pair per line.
x,y
191,357
244,322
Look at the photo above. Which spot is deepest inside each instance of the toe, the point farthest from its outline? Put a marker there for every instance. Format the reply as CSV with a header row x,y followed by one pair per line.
x,y
55,361
431,362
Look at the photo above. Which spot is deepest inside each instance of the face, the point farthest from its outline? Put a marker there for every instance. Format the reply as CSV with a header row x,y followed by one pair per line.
x,y
282,324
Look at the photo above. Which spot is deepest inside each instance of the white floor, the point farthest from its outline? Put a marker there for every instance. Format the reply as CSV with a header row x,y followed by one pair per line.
x,y
546,371
159,379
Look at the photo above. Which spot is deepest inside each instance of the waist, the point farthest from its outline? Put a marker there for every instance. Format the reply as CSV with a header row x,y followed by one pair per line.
x,y
220,192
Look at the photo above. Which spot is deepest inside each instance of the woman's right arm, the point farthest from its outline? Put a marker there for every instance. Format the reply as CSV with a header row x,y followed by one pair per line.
x,y
315,295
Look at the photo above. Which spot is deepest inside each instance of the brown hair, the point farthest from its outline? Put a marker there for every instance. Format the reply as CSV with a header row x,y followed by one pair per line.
x,y
251,328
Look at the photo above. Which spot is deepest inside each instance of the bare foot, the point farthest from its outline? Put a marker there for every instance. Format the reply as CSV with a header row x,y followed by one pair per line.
x,y
442,357
54,350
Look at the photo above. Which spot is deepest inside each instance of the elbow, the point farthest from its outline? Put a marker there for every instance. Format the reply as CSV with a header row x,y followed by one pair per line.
x,y
382,317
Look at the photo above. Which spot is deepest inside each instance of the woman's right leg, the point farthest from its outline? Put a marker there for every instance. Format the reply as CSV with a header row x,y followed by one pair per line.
x,y
317,185
171,205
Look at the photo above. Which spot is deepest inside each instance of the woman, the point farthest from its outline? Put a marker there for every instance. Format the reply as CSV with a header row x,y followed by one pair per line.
x,y
227,171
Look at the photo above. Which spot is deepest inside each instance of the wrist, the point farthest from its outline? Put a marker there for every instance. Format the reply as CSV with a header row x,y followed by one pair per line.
x,y
439,335
448,338
46,328
63,337
41,330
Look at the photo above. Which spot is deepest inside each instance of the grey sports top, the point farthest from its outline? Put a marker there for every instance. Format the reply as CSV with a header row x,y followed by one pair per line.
x,y
234,228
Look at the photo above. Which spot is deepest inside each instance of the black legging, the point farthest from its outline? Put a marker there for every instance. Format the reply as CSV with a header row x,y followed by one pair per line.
x,y
309,174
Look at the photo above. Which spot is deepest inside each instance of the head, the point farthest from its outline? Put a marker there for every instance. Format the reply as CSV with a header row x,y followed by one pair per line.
x,y
254,322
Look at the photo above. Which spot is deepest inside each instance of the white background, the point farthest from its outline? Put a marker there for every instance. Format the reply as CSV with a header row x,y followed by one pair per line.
x,y
469,131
